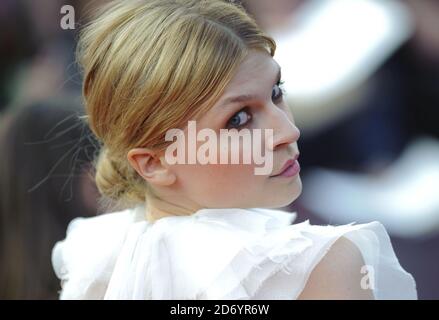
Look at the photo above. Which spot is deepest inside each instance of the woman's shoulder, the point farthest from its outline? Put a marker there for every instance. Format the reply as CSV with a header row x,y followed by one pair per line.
x,y
352,261
338,275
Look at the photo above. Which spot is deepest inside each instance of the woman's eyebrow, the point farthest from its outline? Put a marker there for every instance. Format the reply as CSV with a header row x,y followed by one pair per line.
x,y
247,97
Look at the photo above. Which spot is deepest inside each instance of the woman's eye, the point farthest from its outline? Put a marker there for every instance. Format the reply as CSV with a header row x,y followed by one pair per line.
x,y
239,119
277,92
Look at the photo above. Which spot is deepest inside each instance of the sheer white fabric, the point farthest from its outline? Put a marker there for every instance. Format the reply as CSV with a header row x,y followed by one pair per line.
x,y
213,254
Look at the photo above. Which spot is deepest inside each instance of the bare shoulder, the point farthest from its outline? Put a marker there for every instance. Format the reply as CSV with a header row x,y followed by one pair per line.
x,y
338,275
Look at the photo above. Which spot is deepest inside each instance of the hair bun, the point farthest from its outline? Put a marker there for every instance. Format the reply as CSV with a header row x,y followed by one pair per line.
x,y
117,182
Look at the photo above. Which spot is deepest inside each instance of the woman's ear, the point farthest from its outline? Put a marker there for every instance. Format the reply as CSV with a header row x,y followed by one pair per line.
x,y
148,164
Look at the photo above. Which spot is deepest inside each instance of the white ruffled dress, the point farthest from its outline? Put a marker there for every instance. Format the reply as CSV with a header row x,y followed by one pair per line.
x,y
212,254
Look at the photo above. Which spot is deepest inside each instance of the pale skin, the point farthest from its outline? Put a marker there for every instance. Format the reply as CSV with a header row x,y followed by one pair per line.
x,y
338,275
183,189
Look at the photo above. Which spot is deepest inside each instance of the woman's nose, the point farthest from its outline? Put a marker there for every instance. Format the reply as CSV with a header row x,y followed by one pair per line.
x,y
285,132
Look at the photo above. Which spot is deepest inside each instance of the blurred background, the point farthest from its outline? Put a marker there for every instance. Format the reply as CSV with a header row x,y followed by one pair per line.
x,y
362,78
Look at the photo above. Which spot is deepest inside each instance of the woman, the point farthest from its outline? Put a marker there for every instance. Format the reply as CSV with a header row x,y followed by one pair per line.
x,y
203,229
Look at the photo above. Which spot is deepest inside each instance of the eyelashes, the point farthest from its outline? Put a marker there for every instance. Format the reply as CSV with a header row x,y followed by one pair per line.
x,y
235,120
280,92
244,116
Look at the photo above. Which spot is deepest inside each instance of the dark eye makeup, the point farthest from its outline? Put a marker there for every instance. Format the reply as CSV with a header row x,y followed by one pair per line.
x,y
244,116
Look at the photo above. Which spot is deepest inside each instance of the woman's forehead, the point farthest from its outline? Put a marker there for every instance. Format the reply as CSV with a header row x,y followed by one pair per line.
x,y
256,65
258,72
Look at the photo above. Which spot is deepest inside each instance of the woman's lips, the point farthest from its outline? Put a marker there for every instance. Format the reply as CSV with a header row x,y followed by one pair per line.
x,y
291,171
290,168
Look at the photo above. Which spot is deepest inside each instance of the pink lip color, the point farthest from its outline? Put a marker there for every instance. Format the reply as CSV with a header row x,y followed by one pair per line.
x,y
291,170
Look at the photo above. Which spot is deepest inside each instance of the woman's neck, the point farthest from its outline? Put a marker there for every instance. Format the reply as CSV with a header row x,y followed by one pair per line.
x,y
157,208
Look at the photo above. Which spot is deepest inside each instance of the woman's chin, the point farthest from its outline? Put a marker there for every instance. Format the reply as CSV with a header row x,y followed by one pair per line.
x,y
280,203
290,194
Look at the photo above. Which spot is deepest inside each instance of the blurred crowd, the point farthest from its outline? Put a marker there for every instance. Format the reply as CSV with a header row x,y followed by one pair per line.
x,y
362,78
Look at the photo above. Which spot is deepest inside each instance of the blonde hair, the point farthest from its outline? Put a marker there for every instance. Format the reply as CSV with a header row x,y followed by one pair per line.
x,y
152,65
